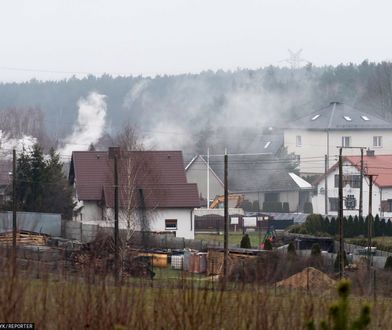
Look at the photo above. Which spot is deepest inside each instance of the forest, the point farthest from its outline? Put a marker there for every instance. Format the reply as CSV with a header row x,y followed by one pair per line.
x,y
194,111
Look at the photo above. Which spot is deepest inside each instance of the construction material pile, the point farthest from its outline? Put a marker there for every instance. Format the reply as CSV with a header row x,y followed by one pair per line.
x,y
309,279
24,237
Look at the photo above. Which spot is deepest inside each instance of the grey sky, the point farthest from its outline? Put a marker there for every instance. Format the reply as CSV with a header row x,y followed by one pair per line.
x,y
152,37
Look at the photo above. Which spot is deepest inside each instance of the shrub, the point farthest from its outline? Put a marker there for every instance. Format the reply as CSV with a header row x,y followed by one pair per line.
x,y
339,312
388,263
246,205
337,260
286,207
308,207
245,242
291,249
316,251
255,206
272,207
267,245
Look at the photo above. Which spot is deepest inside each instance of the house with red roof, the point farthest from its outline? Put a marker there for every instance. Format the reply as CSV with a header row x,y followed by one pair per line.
x,y
154,194
380,166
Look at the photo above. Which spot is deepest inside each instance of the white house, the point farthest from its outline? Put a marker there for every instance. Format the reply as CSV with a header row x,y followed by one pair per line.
x,y
321,132
378,165
153,191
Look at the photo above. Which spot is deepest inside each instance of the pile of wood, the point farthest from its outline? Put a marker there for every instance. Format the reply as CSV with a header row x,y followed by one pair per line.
x,y
24,237
309,279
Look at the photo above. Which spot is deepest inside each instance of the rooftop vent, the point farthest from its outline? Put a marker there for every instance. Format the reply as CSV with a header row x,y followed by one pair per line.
x,y
347,118
370,153
365,118
315,117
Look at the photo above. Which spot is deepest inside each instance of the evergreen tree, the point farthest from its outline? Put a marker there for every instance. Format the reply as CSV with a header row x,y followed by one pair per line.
x,y
245,242
316,251
41,185
291,249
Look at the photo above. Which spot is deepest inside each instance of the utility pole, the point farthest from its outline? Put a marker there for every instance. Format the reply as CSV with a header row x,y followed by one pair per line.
x,y
114,154
14,201
208,178
360,211
370,221
226,221
326,185
341,243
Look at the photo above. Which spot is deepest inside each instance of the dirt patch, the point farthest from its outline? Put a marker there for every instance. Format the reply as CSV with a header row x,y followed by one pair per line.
x,y
310,278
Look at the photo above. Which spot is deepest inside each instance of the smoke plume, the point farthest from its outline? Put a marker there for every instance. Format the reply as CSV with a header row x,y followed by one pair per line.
x,y
89,126
26,142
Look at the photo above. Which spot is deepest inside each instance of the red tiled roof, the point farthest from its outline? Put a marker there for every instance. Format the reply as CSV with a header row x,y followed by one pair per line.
x,y
380,166
160,175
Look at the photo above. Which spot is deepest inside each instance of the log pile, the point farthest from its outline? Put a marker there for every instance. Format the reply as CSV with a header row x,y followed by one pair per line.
x,y
24,237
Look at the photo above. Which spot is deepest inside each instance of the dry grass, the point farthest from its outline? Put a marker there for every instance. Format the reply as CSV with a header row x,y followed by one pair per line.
x,y
88,301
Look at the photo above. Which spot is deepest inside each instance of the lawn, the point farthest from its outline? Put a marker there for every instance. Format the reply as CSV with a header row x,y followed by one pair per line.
x,y
234,238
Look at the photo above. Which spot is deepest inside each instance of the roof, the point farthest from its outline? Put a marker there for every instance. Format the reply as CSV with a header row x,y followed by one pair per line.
x,y
380,166
257,173
339,116
158,175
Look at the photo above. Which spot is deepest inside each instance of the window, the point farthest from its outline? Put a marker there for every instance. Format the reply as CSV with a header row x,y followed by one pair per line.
x,y
377,141
365,118
271,197
354,181
346,141
171,224
348,118
267,144
333,204
298,141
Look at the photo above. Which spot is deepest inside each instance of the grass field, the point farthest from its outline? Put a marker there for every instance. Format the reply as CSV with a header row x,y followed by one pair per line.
x,y
97,304
234,238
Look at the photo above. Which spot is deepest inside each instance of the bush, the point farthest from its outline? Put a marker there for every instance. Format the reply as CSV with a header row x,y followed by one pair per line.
x,y
272,207
245,242
308,208
337,260
339,312
267,245
291,249
388,263
255,206
246,205
286,207
316,251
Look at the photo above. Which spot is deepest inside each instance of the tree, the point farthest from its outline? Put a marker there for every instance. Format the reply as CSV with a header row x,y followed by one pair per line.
x,y
337,260
245,242
388,263
41,185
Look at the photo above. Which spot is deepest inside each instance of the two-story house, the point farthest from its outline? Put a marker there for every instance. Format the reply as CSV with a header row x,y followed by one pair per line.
x,y
321,132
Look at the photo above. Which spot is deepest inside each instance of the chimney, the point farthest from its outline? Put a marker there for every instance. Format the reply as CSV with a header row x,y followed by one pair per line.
x,y
114,152
370,153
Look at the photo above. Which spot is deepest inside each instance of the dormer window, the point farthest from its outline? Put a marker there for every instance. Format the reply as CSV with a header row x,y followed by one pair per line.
x,y
347,118
365,118
315,117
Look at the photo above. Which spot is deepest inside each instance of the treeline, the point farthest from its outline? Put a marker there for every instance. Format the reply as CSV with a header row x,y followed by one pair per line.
x,y
191,103
355,226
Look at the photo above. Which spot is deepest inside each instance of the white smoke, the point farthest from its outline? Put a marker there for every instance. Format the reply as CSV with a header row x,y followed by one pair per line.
x,y
89,126
7,144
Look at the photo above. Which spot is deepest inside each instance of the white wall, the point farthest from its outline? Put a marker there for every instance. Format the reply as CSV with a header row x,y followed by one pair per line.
x,y
92,214
314,144
318,200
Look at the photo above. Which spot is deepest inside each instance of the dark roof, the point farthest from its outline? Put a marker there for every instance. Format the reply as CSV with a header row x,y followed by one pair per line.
x,y
339,116
268,143
258,173
159,174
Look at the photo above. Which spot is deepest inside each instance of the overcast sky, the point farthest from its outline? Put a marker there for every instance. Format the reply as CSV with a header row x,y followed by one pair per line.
x,y
152,37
